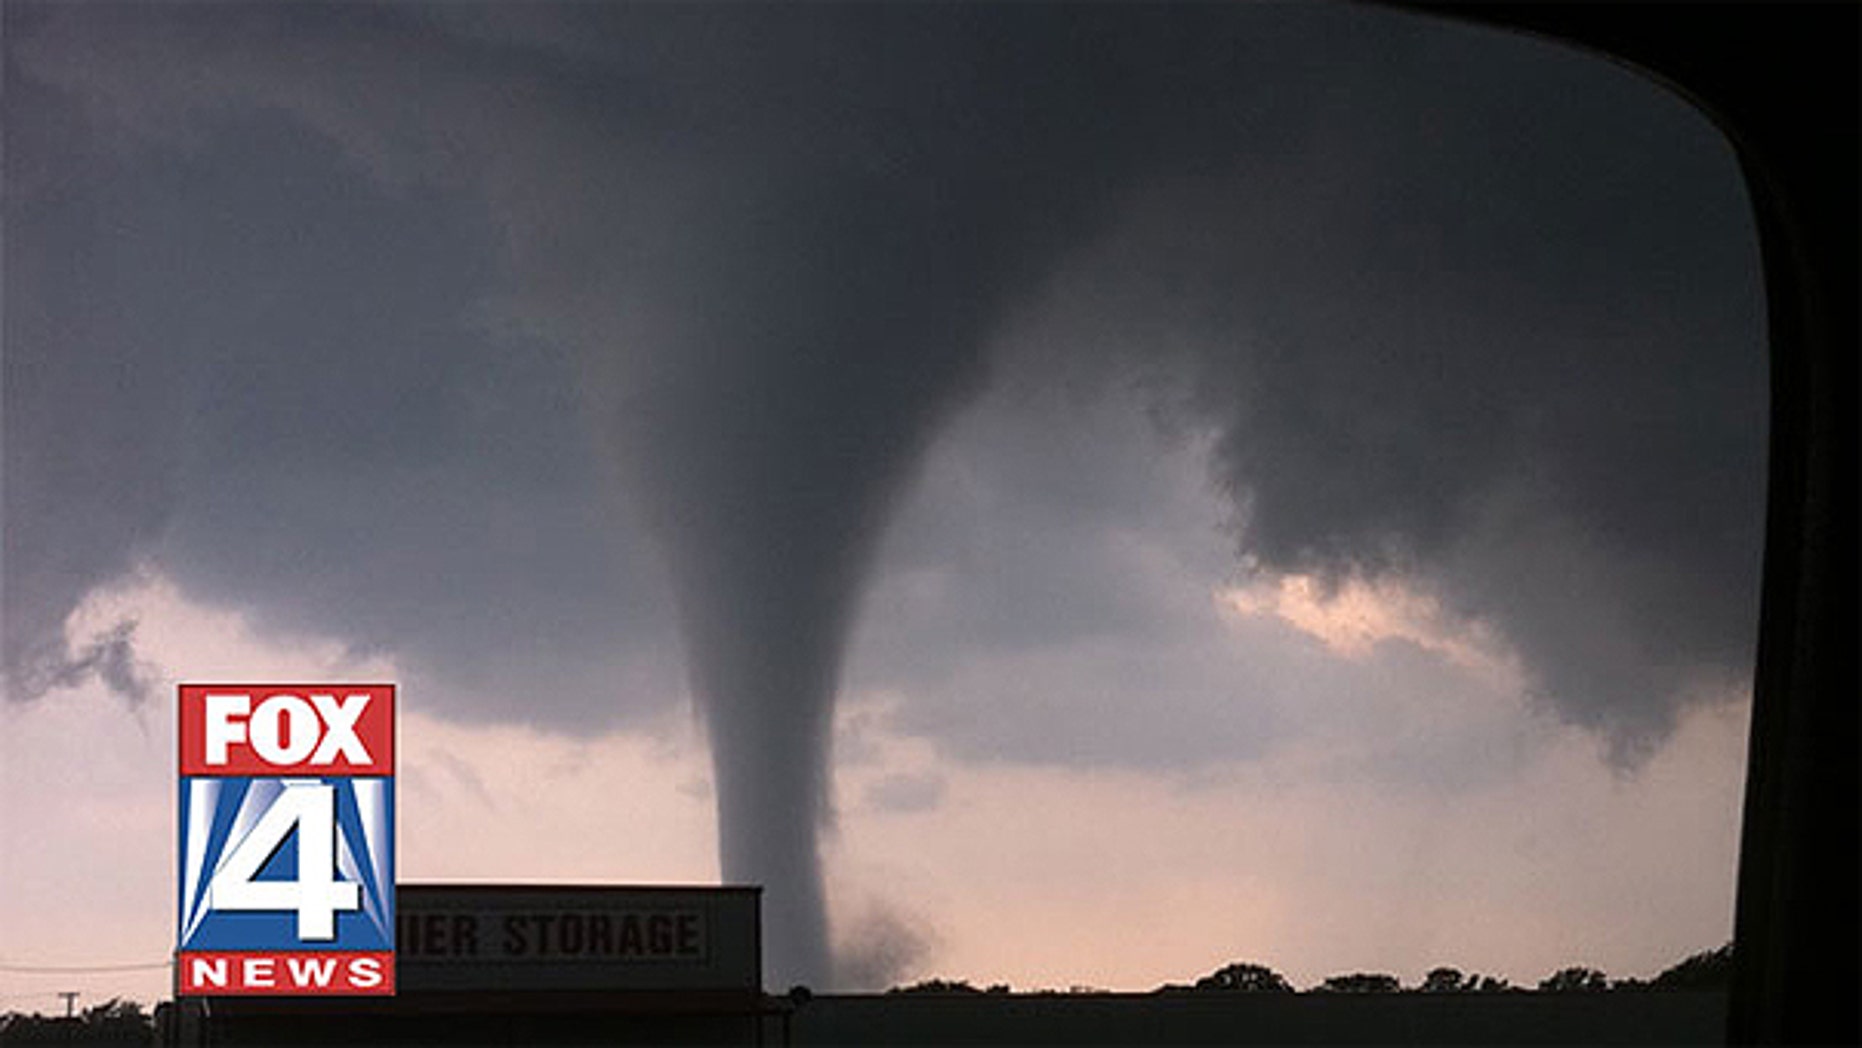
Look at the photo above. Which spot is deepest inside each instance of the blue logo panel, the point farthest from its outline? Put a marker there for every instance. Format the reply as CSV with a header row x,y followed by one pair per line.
x,y
219,817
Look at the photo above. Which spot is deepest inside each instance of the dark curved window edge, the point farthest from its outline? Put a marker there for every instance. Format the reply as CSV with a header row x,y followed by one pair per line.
x,y
1780,82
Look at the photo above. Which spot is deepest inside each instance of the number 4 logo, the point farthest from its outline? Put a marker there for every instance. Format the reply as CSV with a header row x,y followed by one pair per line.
x,y
317,895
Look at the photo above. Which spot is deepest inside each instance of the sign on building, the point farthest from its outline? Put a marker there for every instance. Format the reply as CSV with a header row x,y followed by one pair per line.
x,y
286,840
609,938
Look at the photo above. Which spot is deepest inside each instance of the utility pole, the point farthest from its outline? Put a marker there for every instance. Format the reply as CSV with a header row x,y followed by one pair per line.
x,y
71,998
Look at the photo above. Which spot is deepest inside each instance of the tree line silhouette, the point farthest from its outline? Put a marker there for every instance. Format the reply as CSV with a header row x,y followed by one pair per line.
x,y
1707,970
124,1022
115,1021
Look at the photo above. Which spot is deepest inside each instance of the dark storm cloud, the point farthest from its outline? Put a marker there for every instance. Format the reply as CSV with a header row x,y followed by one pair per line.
x,y
317,295
1546,377
1502,343
254,366
63,535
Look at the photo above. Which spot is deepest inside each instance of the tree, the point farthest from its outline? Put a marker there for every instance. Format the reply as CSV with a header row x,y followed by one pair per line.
x,y
1244,977
115,1021
1361,982
1451,980
1446,980
937,986
1708,970
1575,980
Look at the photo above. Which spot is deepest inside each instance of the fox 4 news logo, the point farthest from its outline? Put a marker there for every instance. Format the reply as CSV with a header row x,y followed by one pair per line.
x,y
287,839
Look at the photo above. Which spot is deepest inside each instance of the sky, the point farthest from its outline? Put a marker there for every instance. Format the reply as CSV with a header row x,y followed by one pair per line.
x,y
1060,495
